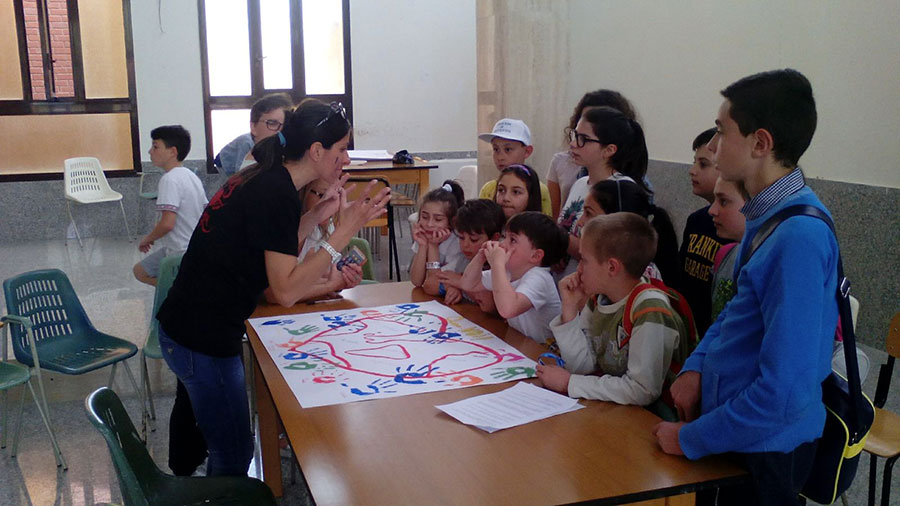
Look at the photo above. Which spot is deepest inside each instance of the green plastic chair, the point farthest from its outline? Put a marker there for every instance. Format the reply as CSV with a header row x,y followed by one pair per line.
x,y
12,375
46,307
368,270
168,269
143,483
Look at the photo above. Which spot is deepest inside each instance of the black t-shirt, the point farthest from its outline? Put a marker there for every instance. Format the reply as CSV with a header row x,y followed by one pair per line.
x,y
699,245
223,272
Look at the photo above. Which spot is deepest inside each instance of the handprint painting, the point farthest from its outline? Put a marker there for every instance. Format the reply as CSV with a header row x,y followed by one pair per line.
x,y
370,353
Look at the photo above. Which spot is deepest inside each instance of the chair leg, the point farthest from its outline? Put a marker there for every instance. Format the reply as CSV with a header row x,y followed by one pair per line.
x,y
844,499
128,232
15,445
5,416
138,390
886,481
112,376
69,210
146,383
873,469
60,460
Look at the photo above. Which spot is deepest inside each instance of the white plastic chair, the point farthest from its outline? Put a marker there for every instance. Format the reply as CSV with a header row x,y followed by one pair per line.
x,y
467,177
86,184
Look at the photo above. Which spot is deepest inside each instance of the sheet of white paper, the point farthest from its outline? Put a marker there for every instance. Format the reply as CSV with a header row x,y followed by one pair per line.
x,y
517,405
370,154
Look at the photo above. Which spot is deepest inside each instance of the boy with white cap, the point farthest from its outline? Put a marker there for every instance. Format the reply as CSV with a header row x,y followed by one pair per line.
x,y
511,143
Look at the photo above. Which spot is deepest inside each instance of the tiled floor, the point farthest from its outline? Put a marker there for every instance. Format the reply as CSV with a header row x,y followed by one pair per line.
x,y
119,305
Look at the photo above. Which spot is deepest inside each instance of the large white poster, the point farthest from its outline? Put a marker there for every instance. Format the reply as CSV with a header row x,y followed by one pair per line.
x,y
369,353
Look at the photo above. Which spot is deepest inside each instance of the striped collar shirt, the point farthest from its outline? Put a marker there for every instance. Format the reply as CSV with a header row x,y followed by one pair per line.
x,y
775,193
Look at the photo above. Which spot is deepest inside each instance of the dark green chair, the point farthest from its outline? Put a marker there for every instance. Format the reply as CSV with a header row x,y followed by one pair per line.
x,y
12,375
142,482
46,307
168,269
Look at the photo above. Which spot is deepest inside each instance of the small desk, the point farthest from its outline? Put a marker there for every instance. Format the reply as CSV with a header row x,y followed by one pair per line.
x,y
405,451
395,173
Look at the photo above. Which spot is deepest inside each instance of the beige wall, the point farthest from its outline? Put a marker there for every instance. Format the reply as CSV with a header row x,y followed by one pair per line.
x,y
672,58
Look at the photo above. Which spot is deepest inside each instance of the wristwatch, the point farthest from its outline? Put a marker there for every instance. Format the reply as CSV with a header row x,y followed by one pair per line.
x,y
432,265
335,256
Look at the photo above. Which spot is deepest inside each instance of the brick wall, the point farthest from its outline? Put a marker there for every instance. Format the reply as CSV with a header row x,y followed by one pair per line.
x,y
58,21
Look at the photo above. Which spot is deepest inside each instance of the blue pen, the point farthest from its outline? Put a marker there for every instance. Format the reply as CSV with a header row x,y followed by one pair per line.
x,y
559,361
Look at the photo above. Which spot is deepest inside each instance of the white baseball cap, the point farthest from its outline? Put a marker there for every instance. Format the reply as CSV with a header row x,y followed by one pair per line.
x,y
511,129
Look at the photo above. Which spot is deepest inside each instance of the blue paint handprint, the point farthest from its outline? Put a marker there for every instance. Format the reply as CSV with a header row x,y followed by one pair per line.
x,y
278,322
440,337
413,377
505,373
407,306
375,387
301,355
336,321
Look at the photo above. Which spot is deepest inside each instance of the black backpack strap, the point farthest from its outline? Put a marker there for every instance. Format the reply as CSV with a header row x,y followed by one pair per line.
x,y
843,295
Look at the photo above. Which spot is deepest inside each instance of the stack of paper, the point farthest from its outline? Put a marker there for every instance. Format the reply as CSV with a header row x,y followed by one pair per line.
x,y
518,405
369,154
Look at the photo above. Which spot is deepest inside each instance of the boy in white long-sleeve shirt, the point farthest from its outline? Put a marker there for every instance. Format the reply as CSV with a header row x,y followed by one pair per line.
x,y
603,361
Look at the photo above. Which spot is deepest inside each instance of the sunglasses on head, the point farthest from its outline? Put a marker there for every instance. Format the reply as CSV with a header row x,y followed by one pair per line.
x,y
335,108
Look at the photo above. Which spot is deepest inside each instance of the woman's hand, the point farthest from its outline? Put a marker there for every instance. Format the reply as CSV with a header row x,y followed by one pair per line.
x,y
352,275
332,201
365,209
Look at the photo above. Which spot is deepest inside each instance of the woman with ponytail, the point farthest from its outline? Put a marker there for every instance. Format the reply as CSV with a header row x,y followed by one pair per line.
x,y
611,146
613,196
246,241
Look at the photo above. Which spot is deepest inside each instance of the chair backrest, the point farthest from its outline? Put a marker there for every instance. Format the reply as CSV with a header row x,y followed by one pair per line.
x,y
137,473
357,192
892,341
168,269
47,298
467,177
368,270
84,176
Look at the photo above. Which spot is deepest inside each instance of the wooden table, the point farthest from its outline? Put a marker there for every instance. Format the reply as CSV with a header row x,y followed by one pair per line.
x,y
403,450
395,173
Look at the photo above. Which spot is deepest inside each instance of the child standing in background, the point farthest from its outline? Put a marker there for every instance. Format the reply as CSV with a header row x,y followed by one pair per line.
x,y
180,201
434,243
609,196
563,168
602,361
477,221
523,289
700,240
511,144
516,190
725,212
611,146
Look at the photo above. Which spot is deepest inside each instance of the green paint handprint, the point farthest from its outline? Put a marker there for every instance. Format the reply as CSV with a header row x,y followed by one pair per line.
x,y
301,366
306,329
512,372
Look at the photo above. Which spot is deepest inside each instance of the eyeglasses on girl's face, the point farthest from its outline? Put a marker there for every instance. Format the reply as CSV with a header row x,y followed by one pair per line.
x,y
579,138
335,108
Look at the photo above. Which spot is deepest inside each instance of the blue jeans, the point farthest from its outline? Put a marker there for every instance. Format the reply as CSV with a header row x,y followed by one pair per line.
x,y
218,398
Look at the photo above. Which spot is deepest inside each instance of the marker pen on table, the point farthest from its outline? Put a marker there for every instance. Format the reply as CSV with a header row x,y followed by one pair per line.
x,y
325,301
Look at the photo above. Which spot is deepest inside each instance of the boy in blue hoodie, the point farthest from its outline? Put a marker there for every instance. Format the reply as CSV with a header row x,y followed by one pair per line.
x,y
752,388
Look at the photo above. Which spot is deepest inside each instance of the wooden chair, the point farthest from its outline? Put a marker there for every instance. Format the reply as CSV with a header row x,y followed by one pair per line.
x,y
884,437
387,220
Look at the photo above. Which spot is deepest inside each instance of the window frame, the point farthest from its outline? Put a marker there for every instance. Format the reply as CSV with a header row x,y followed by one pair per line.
x,y
257,87
78,104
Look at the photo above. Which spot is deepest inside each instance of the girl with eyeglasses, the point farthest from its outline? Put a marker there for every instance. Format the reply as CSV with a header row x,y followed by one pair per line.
x,y
611,146
564,171
247,241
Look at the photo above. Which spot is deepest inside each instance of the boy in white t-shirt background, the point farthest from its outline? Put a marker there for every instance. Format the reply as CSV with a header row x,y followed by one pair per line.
x,y
519,278
181,200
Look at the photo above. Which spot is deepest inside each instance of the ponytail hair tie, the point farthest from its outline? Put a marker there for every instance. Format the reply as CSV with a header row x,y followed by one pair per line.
x,y
281,139
447,188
